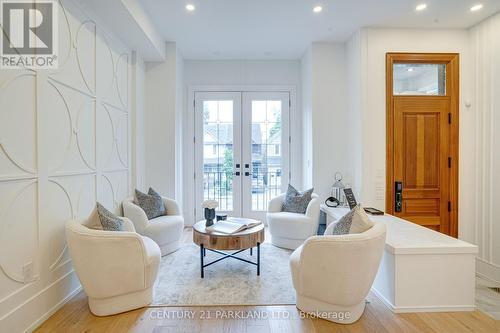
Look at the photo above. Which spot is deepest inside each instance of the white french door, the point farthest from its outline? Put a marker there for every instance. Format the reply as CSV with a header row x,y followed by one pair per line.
x,y
265,149
242,150
218,150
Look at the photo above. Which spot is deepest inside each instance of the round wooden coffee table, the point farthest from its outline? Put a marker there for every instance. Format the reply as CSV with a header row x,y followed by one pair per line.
x,y
239,242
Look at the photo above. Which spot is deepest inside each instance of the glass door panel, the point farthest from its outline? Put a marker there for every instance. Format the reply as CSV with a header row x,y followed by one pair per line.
x,y
265,150
218,127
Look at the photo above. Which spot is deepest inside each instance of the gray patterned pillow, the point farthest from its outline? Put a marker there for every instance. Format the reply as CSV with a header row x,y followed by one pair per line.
x,y
162,209
354,222
151,203
109,221
343,226
295,201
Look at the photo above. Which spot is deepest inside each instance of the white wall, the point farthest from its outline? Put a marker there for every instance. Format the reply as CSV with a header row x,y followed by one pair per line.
x,y
138,126
162,133
355,82
64,143
480,193
240,74
306,85
180,93
326,117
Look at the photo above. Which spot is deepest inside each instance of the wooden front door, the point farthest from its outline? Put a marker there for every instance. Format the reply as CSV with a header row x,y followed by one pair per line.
x,y
422,139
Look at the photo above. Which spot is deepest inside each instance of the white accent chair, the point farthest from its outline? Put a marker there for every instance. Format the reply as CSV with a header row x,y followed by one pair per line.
x,y
117,269
166,230
290,230
332,275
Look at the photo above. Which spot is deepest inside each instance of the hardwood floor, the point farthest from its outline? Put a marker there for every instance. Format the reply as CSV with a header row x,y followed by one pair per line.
x,y
76,317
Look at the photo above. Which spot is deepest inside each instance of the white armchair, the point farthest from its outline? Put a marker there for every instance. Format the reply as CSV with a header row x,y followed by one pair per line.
x,y
117,269
332,275
290,230
165,230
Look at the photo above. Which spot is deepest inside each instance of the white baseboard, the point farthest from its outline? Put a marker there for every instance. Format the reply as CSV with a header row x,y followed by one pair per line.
x,y
31,313
487,270
408,309
460,308
383,299
53,310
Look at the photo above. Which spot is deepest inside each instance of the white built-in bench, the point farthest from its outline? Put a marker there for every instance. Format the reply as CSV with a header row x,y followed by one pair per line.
x,y
421,270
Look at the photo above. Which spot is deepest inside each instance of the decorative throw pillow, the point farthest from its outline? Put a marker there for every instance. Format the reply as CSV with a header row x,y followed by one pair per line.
x,y
360,221
109,221
295,201
163,209
151,204
354,222
343,226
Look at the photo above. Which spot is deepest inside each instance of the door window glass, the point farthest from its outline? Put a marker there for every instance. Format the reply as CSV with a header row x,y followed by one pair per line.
x,y
419,79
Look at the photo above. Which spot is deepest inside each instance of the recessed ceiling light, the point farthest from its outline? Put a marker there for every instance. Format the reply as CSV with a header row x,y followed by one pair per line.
x,y
190,7
475,8
410,69
317,9
421,7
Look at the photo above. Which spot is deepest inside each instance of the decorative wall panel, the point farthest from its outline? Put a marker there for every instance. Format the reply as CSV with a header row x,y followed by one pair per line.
x,y
17,147
64,143
486,143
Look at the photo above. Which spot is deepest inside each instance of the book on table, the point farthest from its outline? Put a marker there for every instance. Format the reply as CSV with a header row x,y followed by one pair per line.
x,y
233,225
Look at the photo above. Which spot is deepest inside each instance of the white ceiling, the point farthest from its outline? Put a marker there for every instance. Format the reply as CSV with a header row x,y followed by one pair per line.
x,y
282,29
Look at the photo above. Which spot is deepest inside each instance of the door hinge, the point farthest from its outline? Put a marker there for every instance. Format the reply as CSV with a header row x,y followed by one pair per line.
x,y
290,139
194,103
289,103
194,175
449,162
449,117
449,206
194,139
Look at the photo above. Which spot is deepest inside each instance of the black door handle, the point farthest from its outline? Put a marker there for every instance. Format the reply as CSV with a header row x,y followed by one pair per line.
x,y
398,197
247,173
237,173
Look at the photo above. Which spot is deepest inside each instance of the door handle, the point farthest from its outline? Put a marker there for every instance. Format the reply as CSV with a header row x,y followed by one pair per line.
x,y
247,173
237,173
398,197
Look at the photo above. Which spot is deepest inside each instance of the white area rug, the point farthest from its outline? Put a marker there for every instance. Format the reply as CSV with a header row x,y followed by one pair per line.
x,y
228,282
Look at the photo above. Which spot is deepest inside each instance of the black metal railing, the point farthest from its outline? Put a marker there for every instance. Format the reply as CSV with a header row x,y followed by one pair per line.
x,y
218,185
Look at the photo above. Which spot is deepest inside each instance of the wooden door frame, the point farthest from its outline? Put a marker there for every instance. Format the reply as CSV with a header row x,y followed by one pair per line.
x,y
452,86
